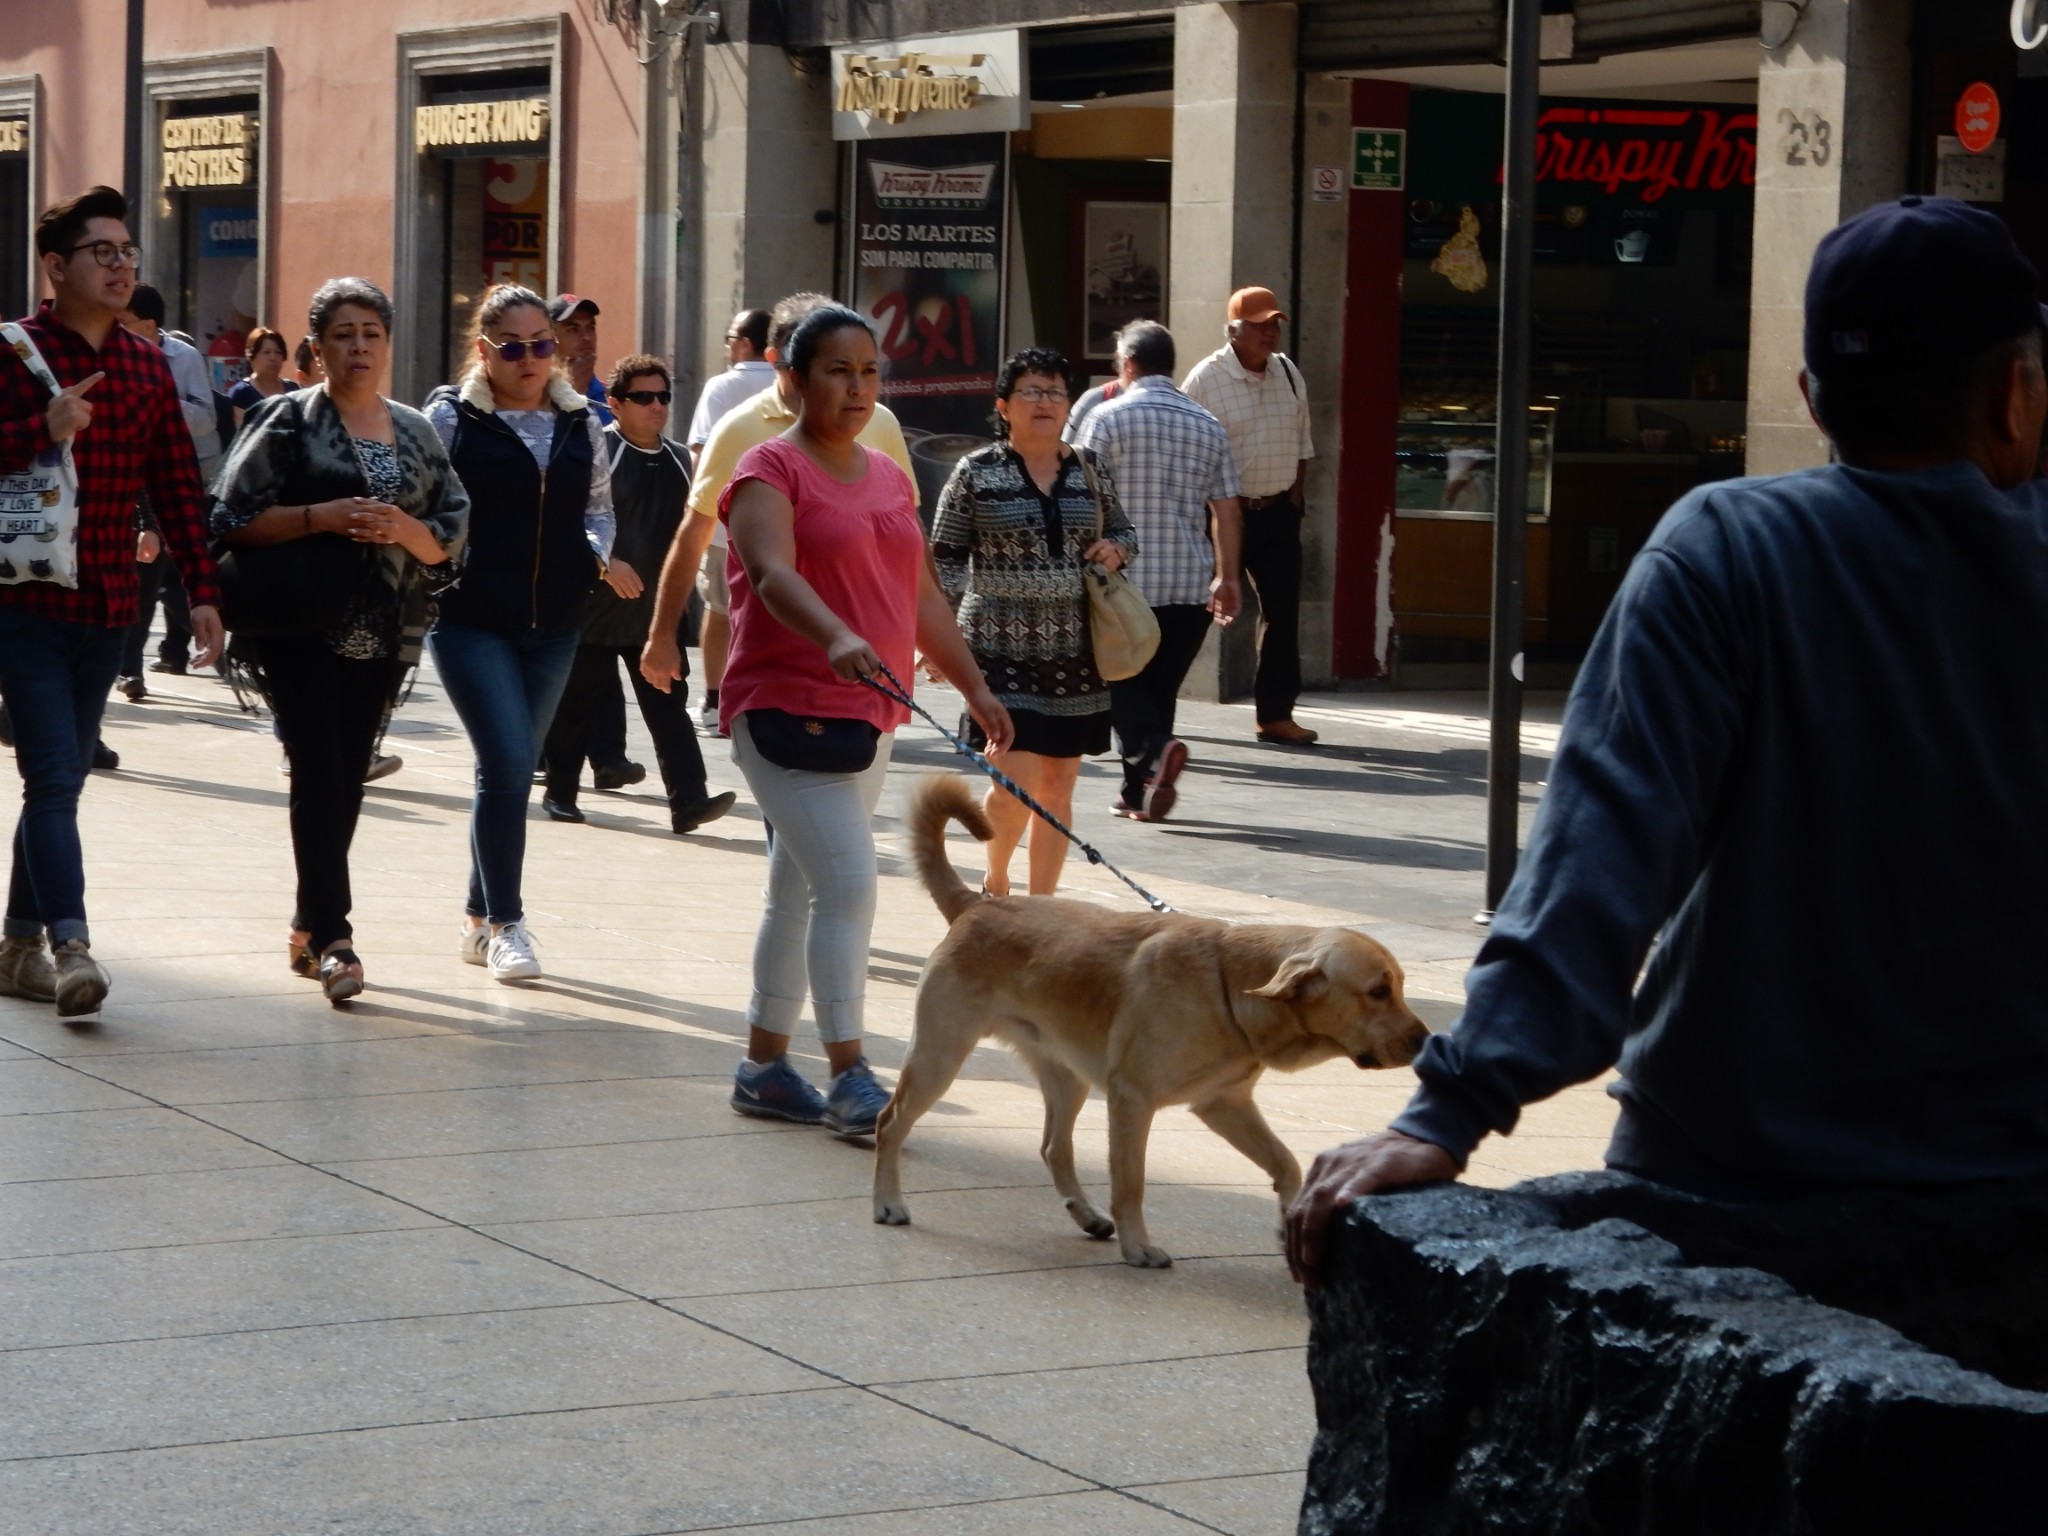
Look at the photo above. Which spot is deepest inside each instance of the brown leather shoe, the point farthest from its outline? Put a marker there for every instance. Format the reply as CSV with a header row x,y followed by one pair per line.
x,y
1285,733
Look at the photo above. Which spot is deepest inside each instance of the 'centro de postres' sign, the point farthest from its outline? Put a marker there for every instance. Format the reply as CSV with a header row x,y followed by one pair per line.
x,y
971,82
214,151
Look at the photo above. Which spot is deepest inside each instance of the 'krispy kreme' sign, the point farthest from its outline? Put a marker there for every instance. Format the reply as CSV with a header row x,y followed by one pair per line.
x,y
1645,153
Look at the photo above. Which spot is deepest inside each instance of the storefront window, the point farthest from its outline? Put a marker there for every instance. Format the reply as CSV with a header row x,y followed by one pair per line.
x,y
210,272
1644,221
486,158
17,292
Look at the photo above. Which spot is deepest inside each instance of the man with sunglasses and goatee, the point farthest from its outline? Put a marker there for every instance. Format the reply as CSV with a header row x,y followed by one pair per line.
x,y
650,482
60,645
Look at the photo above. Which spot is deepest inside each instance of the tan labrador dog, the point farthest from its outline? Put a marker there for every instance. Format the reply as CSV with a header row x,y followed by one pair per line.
x,y
1152,1008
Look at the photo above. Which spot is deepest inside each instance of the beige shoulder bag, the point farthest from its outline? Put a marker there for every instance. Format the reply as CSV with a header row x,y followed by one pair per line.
x,y
1121,623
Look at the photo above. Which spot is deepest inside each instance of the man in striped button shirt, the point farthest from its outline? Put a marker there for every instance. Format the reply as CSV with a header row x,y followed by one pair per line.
x,y
1255,390
1171,465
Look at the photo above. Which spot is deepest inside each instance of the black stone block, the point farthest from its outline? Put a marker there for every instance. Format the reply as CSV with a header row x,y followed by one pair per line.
x,y
1592,1354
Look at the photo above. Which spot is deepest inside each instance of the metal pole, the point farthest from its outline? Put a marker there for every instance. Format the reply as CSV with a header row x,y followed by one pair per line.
x,y
131,126
1511,451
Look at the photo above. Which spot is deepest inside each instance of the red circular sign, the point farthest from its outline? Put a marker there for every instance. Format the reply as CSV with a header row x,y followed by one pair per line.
x,y
1977,118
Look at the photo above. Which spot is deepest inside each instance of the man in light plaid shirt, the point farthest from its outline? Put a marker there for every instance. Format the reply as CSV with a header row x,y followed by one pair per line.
x,y
1171,464
1258,394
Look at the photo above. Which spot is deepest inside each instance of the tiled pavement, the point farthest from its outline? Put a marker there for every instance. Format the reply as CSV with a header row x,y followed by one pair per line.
x,y
472,1258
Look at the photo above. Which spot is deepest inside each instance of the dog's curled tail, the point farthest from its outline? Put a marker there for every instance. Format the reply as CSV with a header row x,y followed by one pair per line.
x,y
936,801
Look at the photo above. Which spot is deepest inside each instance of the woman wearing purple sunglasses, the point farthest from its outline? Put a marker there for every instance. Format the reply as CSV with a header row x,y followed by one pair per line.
x,y
530,453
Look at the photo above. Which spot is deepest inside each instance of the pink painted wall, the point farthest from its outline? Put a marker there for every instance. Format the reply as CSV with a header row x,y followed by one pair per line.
x,y
78,132
333,141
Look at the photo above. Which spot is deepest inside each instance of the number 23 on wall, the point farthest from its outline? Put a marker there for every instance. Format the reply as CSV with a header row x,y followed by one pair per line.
x,y
1809,138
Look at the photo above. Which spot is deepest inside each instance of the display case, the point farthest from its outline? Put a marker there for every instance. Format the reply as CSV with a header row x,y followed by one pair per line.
x,y
1444,467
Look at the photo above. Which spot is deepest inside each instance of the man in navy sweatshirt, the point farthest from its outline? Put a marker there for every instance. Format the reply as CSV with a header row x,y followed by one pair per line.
x,y
1806,758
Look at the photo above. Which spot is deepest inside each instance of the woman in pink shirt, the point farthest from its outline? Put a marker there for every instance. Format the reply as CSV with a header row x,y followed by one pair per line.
x,y
830,581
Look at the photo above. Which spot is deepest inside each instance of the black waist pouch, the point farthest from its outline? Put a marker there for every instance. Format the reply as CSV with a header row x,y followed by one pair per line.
x,y
813,743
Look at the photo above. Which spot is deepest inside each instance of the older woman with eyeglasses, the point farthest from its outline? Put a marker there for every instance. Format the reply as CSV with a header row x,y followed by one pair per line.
x,y
531,453
1015,526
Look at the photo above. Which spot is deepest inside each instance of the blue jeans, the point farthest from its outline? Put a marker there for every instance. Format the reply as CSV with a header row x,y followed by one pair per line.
x,y
54,676
504,685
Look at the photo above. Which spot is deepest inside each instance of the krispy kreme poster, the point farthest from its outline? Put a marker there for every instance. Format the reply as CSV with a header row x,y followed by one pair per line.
x,y
930,233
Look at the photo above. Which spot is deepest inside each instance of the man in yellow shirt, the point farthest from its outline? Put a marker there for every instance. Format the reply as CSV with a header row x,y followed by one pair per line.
x,y
768,414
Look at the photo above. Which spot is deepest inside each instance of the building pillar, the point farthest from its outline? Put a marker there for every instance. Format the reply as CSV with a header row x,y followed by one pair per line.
x,y
1832,139
768,167
1234,93
660,287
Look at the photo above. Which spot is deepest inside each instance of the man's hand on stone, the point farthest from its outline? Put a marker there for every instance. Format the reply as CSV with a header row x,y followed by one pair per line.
x,y
1370,1166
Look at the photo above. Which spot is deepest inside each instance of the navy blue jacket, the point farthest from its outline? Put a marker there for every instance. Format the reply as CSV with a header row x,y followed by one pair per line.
x,y
1810,745
529,564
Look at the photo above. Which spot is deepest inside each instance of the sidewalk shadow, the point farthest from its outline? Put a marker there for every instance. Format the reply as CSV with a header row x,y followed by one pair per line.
x,y
386,794
502,1007
1407,853
1391,771
376,799
697,839
676,1010
204,789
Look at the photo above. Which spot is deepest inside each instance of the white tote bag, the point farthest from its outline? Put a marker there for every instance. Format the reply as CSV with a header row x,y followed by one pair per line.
x,y
39,504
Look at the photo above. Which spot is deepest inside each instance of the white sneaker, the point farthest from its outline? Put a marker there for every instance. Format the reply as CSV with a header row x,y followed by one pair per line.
x,y
474,946
511,954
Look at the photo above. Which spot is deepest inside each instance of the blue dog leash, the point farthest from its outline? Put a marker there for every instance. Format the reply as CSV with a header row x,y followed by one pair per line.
x,y
894,689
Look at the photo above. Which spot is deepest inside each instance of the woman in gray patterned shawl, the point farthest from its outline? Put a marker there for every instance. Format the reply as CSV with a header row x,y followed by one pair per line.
x,y
1014,528
340,460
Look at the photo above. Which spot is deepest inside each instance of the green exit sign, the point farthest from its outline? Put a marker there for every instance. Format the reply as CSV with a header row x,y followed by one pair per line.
x,y
1379,159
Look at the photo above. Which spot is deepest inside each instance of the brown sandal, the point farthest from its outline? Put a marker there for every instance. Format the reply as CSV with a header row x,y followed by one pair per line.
x,y
299,956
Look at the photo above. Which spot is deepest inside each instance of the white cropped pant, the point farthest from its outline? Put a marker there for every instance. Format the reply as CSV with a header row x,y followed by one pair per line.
x,y
820,903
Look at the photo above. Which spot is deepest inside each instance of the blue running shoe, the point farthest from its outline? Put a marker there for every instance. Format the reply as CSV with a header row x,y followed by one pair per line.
x,y
856,1101
778,1092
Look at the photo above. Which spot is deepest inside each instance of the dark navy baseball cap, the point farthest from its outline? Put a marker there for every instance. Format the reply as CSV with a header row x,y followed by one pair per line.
x,y
1921,280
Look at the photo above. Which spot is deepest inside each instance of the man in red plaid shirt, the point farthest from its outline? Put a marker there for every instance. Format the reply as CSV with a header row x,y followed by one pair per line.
x,y
60,647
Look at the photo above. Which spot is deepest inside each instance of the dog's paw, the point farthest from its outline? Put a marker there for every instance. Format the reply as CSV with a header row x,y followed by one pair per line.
x,y
1147,1257
1090,1220
892,1213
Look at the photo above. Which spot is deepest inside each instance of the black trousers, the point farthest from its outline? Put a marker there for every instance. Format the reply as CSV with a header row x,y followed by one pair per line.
x,y
604,741
1272,561
1142,707
594,672
328,710
159,576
